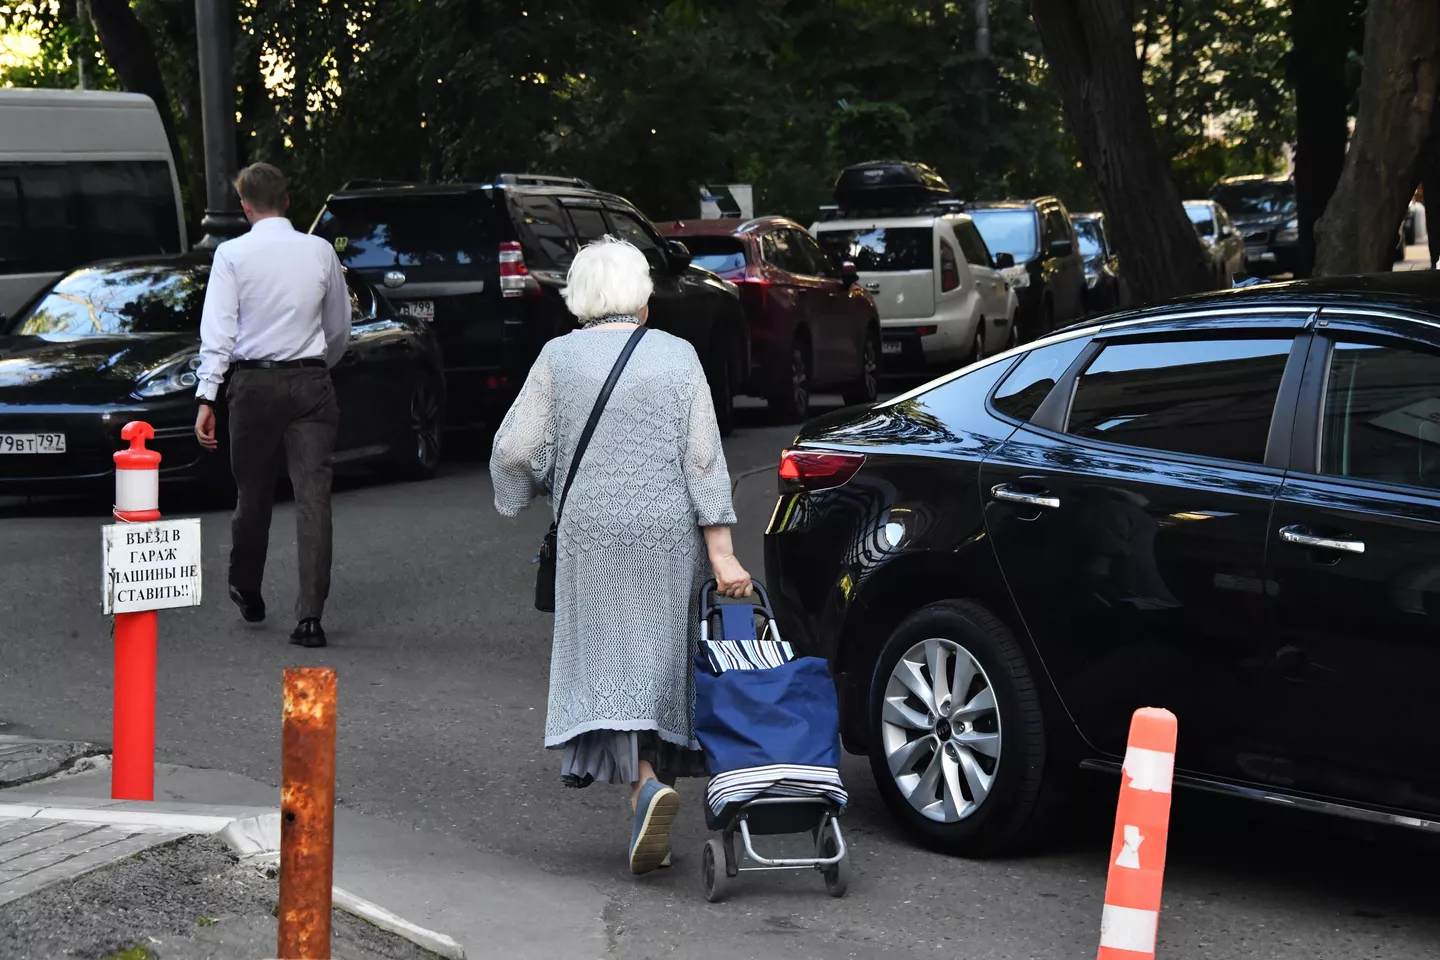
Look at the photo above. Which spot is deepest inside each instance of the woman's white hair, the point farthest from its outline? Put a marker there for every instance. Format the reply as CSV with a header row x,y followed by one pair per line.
x,y
609,278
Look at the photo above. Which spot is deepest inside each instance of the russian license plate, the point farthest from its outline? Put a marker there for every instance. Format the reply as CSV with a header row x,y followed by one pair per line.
x,y
32,443
892,346
419,309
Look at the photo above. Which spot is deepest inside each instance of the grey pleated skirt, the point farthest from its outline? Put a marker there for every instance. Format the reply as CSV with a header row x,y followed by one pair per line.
x,y
613,756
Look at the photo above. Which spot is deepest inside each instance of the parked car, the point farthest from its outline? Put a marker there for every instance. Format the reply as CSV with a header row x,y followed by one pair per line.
x,y
485,264
1103,286
1049,271
1263,211
1221,240
1228,506
812,327
119,340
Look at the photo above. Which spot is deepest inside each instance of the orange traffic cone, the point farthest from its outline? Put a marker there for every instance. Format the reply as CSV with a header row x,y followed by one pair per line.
x,y
1142,825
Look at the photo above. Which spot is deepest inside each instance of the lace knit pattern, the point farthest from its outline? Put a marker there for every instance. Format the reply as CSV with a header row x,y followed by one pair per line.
x,y
630,555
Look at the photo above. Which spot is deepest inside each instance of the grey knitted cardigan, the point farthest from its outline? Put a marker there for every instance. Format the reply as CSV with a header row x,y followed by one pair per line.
x,y
631,556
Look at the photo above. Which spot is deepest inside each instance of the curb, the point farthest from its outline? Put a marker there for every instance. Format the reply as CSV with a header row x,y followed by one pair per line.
x,y
25,759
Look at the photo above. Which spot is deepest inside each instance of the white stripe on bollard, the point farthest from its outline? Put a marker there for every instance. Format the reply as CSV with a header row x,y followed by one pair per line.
x,y
1124,928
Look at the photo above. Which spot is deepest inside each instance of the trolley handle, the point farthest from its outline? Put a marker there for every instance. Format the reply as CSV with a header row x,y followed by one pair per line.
x,y
709,599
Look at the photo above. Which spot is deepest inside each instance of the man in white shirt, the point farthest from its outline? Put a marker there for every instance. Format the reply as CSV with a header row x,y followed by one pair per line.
x,y
277,318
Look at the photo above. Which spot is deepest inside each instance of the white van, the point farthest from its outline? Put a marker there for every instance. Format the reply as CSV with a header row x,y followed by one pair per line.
x,y
84,175
941,296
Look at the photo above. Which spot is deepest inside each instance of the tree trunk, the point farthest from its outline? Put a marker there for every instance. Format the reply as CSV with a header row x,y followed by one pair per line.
x,y
1090,46
1397,99
131,54
1430,185
1317,75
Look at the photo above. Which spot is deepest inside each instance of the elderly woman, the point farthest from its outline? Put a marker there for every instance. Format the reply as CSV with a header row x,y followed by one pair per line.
x,y
647,522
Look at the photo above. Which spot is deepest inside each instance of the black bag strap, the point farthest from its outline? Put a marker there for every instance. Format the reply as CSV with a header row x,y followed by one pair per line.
x,y
598,409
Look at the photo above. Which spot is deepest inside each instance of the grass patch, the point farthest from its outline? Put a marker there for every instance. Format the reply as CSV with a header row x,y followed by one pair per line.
x,y
134,953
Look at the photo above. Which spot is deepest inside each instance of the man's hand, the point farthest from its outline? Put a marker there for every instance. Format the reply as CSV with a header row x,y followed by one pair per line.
x,y
205,427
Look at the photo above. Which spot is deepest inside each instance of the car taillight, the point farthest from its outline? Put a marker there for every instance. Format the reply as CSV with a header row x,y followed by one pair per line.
x,y
515,279
813,470
754,288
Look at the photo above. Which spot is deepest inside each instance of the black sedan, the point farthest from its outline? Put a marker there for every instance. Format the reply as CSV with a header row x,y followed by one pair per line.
x,y
119,340
1228,506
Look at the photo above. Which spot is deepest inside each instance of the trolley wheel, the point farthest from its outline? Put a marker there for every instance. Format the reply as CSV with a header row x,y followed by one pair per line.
x,y
716,881
837,877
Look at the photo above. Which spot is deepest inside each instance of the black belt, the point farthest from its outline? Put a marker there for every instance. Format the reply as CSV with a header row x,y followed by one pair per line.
x,y
277,364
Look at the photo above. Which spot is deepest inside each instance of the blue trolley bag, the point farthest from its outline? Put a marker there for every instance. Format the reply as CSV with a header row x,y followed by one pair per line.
x,y
756,718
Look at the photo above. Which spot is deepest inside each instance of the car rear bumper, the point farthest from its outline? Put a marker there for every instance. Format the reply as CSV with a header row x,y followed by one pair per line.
x,y
910,342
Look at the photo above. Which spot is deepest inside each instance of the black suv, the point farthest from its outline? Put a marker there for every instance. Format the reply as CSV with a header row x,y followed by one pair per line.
x,y
1263,209
485,263
1049,271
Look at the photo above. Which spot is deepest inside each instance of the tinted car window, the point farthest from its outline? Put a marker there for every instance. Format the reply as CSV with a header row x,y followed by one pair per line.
x,y
1382,415
972,245
1092,239
1202,217
1209,398
817,261
1057,226
57,215
546,231
411,231
1246,200
628,228
1009,231
881,249
1027,386
589,223
776,250
100,302
717,254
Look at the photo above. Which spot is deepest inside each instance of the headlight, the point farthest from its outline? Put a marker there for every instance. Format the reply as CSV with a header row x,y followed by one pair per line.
x,y
1288,233
173,376
1018,277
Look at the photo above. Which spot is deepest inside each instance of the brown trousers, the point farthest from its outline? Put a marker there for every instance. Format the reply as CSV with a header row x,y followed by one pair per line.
x,y
287,413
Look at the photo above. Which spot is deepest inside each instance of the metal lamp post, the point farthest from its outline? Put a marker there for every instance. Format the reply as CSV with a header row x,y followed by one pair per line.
x,y
223,218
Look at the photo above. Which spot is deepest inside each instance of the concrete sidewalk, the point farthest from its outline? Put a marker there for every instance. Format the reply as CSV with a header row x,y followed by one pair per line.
x,y
493,906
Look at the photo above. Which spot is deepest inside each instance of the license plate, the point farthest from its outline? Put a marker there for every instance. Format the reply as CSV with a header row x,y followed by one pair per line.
x,y
892,346
419,309
32,443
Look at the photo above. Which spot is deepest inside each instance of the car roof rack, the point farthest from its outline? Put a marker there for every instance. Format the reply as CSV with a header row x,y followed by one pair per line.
x,y
833,211
540,180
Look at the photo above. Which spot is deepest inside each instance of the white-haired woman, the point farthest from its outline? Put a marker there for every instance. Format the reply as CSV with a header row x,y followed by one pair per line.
x,y
647,521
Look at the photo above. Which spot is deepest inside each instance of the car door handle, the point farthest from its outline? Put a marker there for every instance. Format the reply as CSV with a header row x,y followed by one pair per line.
x,y
1004,491
1299,535
872,288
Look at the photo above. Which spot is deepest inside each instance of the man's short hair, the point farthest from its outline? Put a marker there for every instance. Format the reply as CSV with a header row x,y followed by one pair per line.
x,y
263,186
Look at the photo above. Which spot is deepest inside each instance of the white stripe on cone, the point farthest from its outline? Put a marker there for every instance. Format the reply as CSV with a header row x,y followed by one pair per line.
x,y
1149,770
1125,928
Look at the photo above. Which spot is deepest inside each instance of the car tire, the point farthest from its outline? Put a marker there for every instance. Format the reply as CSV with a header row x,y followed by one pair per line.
x,y
790,386
722,391
977,346
1012,339
1047,319
866,388
1020,799
419,457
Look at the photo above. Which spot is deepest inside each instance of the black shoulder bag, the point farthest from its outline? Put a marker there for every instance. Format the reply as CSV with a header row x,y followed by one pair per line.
x,y
545,575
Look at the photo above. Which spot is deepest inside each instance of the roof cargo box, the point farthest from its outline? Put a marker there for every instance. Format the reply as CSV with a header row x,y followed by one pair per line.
x,y
889,183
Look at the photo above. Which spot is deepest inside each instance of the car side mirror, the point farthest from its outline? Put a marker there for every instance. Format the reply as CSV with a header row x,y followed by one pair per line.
x,y
1004,261
1061,248
848,274
679,256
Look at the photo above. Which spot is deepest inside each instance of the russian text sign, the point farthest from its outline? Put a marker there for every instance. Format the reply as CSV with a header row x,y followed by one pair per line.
x,y
151,566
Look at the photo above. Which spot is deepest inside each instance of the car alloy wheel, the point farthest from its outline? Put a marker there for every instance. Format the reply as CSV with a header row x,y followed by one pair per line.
x,y
799,380
977,349
940,728
790,391
426,430
868,387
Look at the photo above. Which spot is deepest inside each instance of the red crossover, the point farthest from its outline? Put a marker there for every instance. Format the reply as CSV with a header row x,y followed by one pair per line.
x,y
812,328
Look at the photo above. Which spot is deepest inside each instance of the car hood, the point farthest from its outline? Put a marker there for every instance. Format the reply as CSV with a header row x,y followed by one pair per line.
x,y
87,370
1246,224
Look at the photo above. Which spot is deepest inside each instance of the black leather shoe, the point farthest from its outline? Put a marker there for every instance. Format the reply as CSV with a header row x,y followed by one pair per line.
x,y
252,605
309,633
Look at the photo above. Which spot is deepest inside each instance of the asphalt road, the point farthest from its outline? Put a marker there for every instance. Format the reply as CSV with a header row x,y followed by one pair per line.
x,y
443,675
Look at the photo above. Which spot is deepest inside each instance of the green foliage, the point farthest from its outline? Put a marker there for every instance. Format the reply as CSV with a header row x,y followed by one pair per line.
x,y
138,952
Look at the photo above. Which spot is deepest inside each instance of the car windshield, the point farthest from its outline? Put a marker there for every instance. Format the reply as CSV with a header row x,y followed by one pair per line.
x,y
118,300
1091,243
1015,232
1256,199
717,254
408,231
1203,217
881,249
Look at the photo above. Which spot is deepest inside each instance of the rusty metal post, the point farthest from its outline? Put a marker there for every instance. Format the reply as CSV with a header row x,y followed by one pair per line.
x,y
307,813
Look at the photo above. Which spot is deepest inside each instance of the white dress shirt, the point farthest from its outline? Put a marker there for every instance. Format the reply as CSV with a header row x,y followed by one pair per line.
x,y
274,294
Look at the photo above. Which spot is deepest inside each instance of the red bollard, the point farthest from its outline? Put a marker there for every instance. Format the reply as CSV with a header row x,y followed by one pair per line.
x,y
307,813
1131,917
137,500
